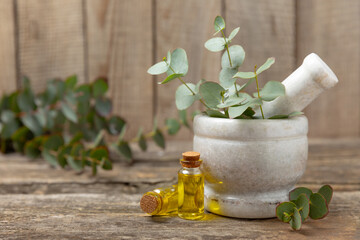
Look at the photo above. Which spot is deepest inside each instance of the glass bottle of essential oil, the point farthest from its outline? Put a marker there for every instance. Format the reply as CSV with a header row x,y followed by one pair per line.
x,y
191,187
160,201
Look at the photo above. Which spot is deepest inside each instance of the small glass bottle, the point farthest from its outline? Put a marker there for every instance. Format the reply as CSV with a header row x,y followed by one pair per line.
x,y
160,201
191,187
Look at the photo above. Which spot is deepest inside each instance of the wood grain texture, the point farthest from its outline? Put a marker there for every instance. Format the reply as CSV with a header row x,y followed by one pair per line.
x,y
7,47
120,47
332,30
267,29
51,40
118,216
185,24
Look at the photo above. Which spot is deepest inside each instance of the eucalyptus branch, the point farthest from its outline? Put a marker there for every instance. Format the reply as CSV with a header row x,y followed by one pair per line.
x,y
258,91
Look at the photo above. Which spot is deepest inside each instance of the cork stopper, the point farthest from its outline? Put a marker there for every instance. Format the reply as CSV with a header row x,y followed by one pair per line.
x,y
149,203
191,159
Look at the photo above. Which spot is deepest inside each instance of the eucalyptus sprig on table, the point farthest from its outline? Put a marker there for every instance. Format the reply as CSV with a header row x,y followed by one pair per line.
x,y
66,124
227,99
303,204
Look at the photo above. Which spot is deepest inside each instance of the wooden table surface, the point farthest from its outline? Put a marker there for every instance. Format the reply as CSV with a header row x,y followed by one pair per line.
x,y
40,202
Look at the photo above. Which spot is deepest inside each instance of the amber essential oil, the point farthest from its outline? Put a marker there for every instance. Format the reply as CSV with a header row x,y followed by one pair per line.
x,y
190,187
160,201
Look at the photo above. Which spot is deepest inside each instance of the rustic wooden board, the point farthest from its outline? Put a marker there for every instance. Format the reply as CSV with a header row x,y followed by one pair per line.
x,y
330,163
102,216
7,47
185,24
51,40
331,29
267,29
120,47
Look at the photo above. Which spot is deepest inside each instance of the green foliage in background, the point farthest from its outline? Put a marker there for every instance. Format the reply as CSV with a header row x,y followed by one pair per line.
x,y
66,124
227,99
303,204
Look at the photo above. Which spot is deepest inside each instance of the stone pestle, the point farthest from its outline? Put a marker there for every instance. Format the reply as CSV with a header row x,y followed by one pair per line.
x,y
305,84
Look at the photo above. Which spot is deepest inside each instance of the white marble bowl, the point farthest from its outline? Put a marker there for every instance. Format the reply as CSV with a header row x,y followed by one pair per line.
x,y
250,165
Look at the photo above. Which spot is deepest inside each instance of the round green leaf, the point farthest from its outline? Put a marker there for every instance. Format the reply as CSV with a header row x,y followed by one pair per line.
x,y
318,206
25,101
99,87
172,125
115,125
68,112
295,221
233,100
53,142
179,62
49,157
233,33
99,153
171,77
124,150
70,82
184,98
216,44
245,75
226,77
295,193
83,93
271,91
159,138
211,93
284,211
158,68
266,65
237,111
237,55
103,106
32,123
219,24
326,191
302,203
141,140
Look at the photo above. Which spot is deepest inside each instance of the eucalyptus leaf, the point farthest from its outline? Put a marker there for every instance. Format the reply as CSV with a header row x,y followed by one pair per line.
x,y
237,111
327,192
25,101
266,65
62,153
7,116
159,138
280,116
179,62
99,87
211,93
219,24
215,44
32,123
184,98
237,55
53,142
141,140
231,101
226,77
295,193
197,88
173,126
284,211
83,92
233,33
245,75
271,91
302,203
294,114
158,68
103,106
124,150
295,221
115,125
251,80
68,112
74,164
49,157
32,148
70,82
215,113
318,206
171,77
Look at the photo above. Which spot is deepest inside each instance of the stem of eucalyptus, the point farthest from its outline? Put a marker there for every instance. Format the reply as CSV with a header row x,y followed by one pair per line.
x,y
257,87
228,52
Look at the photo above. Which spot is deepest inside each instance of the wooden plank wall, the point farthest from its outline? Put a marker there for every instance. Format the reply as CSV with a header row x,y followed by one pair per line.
x,y
120,39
